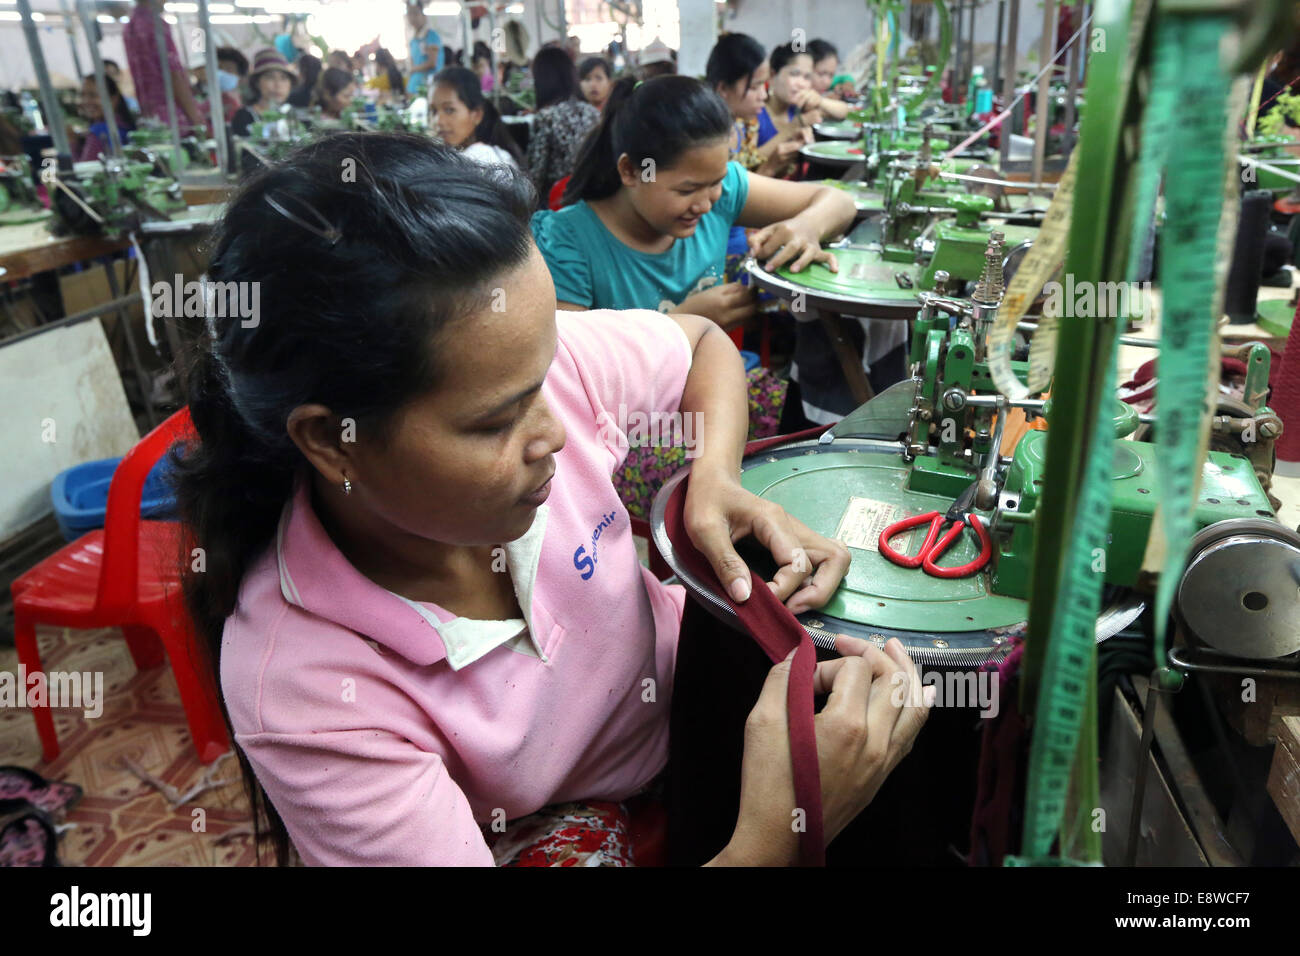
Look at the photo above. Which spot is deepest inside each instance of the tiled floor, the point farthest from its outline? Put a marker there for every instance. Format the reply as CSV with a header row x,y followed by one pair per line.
x,y
121,820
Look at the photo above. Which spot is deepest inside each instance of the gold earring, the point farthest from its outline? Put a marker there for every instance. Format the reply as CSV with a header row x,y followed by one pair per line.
x,y
347,486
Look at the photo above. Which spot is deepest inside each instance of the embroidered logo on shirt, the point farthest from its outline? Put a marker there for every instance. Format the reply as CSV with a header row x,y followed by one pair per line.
x,y
586,563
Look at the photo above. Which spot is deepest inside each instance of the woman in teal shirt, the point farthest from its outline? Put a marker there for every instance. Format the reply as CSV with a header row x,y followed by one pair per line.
x,y
653,198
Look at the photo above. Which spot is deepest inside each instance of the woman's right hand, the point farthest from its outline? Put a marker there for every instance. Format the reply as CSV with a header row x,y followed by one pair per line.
x,y
790,148
875,709
727,303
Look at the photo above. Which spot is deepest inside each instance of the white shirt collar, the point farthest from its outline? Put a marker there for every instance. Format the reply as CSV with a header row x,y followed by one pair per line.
x,y
466,639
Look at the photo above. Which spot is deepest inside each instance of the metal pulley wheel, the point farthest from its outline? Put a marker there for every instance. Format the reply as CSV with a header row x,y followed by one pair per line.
x,y
1240,594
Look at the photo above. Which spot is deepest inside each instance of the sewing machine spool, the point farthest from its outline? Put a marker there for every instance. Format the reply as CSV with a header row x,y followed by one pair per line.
x,y
1239,594
865,286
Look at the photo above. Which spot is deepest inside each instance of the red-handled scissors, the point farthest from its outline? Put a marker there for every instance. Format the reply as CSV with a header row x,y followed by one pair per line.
x,y
933,547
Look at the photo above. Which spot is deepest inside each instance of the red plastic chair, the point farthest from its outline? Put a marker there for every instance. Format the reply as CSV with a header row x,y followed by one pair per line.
x,y
556,194
127,575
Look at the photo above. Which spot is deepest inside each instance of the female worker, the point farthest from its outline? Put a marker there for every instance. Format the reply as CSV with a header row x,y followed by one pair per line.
x,y
825,66
467,120
563,119
793,107
738,72
97,141
334,92
653,198
596,80
394,467
271,82
654,201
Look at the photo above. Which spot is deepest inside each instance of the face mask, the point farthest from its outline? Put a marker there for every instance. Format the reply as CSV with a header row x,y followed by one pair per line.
x,y
228,81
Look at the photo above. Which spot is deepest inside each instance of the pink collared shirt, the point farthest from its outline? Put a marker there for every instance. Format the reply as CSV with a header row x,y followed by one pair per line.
x,y
385,732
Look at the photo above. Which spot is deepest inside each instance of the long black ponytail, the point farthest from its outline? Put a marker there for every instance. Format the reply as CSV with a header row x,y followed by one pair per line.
x,y
656,119
378,241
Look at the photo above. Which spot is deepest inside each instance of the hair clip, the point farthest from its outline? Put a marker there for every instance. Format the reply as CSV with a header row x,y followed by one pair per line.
x,y
329,233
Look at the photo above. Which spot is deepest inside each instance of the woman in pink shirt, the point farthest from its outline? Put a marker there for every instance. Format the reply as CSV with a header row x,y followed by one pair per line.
x,y
419,586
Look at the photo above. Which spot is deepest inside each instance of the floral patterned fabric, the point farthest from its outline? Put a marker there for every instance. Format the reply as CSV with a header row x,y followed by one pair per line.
x,y
648,467
553,143
745,150
592,833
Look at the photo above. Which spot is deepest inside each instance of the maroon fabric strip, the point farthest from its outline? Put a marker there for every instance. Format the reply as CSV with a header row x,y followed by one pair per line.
x,y
777,632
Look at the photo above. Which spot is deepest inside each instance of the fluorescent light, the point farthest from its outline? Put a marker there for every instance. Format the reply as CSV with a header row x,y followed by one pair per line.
x,y
443,8
6,15
263,18
181,7
228,18
289,6
168,18
104,18
517,9
221,8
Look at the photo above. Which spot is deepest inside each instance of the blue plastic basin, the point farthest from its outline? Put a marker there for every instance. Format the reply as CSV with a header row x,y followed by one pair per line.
x,y
80,496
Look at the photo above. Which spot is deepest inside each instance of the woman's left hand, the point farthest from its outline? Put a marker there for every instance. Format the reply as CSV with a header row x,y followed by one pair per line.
x,y
790,241
719,511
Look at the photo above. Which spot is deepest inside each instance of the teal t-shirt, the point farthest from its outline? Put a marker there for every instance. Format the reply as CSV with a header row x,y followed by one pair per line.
x,y
591,268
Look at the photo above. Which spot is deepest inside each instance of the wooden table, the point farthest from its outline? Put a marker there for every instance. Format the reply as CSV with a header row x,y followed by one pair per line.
x,y
29,249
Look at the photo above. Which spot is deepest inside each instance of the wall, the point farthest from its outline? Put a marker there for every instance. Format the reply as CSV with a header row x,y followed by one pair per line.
x,y
64,405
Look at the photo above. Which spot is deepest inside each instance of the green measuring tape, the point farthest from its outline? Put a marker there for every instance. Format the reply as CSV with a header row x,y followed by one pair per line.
x,y
1199,153
1201,204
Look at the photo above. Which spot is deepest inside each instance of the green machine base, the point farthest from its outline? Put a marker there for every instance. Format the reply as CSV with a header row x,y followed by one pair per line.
x,y
1229,490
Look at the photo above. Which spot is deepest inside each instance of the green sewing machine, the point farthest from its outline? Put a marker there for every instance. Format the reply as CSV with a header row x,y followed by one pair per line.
x,y
922,444
112,196
151,141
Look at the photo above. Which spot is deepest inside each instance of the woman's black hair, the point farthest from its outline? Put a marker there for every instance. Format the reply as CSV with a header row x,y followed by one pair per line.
x,y
482,51
656,119
783,55
733,58
821,49
468,88
231,55
554,78
122,112
332,82
593,63
396,83
309,71
351,318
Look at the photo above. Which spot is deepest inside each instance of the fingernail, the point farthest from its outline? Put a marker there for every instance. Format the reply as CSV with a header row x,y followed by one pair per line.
x,y
799,562
739,590
771,586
